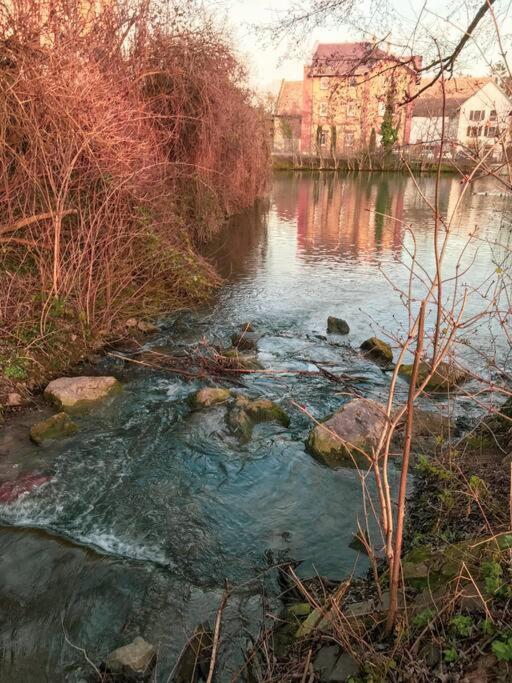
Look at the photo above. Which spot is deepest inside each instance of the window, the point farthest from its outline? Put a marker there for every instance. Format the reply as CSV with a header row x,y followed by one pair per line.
x,y
477,115
349,139
382,108
493,115
473,131
491,131
351,109
323,108
323,137
324,83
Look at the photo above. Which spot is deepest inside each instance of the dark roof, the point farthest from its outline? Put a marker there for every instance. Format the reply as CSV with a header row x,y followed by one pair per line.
x,y
457,91
289,100
350,59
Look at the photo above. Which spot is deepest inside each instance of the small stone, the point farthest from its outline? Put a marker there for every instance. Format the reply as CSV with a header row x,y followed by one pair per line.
x,y
507,460
246,413
264,410
344,669
77,393
317,620
55,427
240,423
378,350
325,661
245,340
131,322
337,325
209,396
471,597
138,657
147,328
14,399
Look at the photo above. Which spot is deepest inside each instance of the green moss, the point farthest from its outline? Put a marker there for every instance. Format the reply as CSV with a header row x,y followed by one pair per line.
x,y
378,350
55,427
263,410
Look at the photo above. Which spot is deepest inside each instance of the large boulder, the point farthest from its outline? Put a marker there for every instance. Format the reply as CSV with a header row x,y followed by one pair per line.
x,y
445,377
133,661
77,393
337,325
378,350
356,427
209,396
55,427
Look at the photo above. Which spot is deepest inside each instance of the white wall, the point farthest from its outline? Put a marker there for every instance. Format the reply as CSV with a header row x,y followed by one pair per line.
x,y
487,98
426,129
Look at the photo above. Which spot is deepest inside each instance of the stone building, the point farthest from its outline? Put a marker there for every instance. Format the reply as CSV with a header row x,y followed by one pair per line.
x,y
348,90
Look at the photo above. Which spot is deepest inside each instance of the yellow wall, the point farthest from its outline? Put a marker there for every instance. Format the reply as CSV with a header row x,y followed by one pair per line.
x,y
356,105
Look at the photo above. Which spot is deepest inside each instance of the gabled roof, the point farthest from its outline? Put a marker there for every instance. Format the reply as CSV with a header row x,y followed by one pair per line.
x,y
457,91
289,100
351,59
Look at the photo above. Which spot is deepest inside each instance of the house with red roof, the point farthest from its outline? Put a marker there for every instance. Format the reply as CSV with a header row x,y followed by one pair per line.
x,y
347,90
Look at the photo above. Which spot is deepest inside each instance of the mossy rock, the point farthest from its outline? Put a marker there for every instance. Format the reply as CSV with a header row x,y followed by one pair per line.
x,y
378,350
337,325
445,377
264,410
245,340
246,413
55,427
209,396
245,361
240,423
344,439
425,566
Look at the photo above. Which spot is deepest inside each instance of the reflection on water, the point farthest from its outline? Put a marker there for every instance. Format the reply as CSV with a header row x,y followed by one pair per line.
x,y
151,507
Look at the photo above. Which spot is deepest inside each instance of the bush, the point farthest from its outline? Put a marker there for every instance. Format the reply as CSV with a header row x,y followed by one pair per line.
x,y
128,136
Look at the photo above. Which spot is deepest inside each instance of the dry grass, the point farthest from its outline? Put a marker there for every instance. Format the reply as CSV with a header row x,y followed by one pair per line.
x,y
127,136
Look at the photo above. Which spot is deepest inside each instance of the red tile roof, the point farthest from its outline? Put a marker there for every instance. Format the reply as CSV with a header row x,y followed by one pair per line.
x,y
344,59
457,91
289,100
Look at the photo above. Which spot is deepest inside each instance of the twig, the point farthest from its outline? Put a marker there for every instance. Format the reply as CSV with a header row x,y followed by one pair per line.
x,y
216,636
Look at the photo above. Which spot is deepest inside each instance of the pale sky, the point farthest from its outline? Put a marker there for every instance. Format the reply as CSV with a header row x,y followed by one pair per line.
x,y
412,21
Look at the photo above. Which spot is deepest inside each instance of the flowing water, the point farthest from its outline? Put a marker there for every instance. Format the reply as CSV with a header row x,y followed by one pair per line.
x,y
152,508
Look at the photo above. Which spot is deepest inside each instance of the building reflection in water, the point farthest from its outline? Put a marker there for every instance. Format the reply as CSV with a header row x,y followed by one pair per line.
x,y
363,215
355,215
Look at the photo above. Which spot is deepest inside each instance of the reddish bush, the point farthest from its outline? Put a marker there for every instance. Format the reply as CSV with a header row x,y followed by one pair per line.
x,y
121,142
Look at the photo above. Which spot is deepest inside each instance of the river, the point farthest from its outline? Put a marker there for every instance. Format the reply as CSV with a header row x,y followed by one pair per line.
x,y
151,507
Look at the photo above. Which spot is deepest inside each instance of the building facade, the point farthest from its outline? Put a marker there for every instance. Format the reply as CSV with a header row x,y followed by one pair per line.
x,y
348,91
288,117
476,114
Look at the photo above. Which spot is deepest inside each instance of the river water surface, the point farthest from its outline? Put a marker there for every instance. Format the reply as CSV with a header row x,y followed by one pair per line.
x,y
152,508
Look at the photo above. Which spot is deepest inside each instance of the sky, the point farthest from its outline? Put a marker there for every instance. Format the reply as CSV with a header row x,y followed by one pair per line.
x,y
269,61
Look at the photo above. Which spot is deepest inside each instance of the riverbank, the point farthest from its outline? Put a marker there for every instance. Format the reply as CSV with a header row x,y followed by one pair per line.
x,y
455,609
378,162
117,170
134,523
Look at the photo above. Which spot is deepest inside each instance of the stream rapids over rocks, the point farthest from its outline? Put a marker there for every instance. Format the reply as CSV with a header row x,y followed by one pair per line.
x,y
151,507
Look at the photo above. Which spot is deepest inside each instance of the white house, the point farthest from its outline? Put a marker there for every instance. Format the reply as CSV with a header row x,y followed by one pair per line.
x,y
476,117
